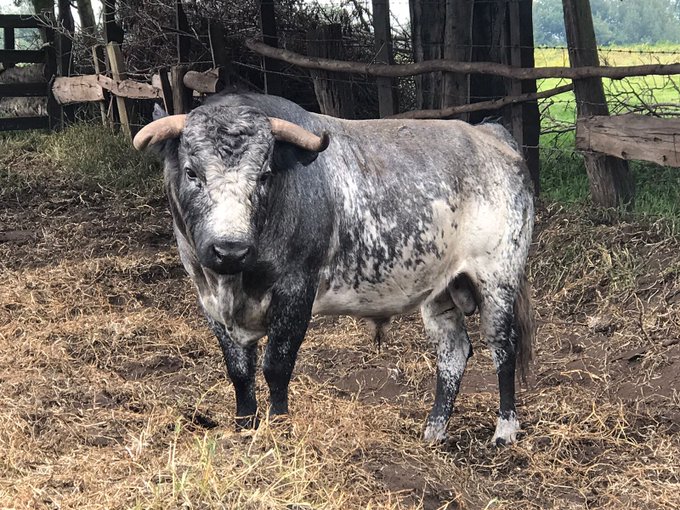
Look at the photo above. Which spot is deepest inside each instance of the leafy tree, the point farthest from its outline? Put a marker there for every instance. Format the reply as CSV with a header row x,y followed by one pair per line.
x,y
615,21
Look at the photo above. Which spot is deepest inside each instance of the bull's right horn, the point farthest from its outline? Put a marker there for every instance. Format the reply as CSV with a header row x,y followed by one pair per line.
x,y
159,130
297,135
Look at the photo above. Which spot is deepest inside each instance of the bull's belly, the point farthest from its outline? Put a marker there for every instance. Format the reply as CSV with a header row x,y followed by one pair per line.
x,y
402,290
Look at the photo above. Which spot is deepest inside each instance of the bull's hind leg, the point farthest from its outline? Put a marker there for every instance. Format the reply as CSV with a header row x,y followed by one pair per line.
x,y
241,364
498,329
445,326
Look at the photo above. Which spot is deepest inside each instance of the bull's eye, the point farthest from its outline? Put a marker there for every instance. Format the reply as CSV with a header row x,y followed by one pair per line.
x,y
191,174
264,177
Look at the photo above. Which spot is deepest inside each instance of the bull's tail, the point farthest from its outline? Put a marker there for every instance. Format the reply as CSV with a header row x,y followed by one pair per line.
x,y
525,327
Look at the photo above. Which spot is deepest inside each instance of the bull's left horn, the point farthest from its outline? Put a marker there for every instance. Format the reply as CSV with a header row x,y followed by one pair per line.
x,y
292,133
159,130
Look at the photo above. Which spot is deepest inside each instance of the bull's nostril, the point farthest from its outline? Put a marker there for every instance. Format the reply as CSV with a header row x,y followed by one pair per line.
x,y
231,251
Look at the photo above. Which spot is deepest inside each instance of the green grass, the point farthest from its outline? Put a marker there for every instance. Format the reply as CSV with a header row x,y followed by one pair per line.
x,y
87,156
563,175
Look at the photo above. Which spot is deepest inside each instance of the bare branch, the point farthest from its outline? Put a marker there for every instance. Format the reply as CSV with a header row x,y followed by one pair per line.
x,y
429,66
484,105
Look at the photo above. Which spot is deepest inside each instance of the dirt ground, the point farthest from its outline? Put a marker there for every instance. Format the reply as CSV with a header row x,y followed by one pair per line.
x,y
113,393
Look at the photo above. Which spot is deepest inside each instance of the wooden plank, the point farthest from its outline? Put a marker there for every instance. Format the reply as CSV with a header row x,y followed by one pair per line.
x,y
611,182
631,137
128,88
77,89
22,56
23,89
117,65
207,82
21,21
22,123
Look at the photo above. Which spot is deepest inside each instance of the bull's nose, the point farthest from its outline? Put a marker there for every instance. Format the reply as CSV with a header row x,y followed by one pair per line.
x,y
231,253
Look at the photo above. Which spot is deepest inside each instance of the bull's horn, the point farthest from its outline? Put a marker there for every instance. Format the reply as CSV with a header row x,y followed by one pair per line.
x,y
159,130
292,133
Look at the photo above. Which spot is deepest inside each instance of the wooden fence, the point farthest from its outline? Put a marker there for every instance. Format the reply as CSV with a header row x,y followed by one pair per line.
x,y
10,56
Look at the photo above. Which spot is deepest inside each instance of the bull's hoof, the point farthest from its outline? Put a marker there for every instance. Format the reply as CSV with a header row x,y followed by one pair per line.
x,y
435,431
247,423
506,430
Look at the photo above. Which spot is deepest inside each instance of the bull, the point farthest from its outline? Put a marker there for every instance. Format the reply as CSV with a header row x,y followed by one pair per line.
x,y
280,214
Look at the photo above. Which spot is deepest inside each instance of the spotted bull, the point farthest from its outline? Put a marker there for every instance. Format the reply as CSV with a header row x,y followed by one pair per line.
x,y
280,214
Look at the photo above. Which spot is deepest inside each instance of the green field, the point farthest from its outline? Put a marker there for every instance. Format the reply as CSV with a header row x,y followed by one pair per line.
x,y
563,177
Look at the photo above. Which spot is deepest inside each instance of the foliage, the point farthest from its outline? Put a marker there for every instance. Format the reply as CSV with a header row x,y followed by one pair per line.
x,y
615,21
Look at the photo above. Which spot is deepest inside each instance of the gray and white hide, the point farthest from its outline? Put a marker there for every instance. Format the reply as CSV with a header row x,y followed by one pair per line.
x,y
393,216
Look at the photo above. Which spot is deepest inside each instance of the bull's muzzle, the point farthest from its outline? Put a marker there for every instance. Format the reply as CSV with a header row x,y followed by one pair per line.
x,y
228,257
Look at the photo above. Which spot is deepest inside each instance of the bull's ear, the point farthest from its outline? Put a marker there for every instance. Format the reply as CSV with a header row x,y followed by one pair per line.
x,y
287,156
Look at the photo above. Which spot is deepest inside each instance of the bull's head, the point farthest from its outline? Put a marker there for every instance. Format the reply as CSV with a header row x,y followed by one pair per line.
x,y
217,176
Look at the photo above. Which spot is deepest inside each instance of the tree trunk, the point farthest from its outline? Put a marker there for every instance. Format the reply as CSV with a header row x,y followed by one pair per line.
x,y
333,90
427,33
457,46
65,37
488,40
88,24
611,182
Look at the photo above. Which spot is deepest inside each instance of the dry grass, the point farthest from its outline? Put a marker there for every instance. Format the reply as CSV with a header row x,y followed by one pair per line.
x,y
113,392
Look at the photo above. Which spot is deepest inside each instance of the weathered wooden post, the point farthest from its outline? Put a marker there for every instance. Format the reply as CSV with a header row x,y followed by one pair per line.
x,y
182,26
611,182
526,119
118,72
181,95
333,90
54,110
388,101
272,81
99,61
457,47
8,41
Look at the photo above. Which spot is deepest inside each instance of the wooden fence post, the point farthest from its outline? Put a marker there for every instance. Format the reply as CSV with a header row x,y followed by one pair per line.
x,y
333,90
182,26
118,73
611,182
388,101
526,119
99,62
54,110
9,42
181,95
457,47
272,81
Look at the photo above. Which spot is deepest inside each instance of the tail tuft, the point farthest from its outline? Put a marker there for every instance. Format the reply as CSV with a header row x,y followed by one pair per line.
x,y
526,329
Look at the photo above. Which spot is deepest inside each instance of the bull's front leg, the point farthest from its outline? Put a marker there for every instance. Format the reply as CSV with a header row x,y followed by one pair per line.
x,y
290,313
241,365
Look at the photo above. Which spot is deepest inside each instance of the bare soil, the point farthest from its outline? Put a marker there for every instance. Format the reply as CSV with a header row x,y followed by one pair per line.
x,y
113,393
